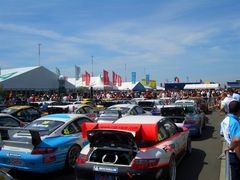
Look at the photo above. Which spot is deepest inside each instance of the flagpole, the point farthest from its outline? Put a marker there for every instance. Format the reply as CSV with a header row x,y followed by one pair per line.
x,y
39,53
125,72
92,66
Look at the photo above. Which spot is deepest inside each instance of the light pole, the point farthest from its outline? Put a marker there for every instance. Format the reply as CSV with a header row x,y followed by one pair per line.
x,y
92,66
39,53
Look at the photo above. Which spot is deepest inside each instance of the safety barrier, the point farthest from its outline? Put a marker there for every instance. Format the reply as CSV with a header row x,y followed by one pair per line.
x,y
227,167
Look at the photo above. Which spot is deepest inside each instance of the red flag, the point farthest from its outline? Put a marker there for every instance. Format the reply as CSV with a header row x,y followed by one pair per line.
x,y
83,77
119,80
114,78
105,78
87,78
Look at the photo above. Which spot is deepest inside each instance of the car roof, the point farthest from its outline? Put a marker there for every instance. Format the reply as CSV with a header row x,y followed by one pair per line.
x,y
19,107
5,114
123,105
61,117
139,120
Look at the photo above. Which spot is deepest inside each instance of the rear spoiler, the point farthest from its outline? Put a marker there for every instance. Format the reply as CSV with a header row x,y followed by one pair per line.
x,y
147,132
36,138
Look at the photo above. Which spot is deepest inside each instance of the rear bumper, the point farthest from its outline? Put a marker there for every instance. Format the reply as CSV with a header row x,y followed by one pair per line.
x,y
87,172
27,162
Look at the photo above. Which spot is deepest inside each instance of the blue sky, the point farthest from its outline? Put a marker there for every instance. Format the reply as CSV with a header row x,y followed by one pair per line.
x,y
184,38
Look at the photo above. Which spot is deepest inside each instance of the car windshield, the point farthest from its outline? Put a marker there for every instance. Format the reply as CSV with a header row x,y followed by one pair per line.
x,y
9,110
45,127
146,103
189,109
172,111
114,110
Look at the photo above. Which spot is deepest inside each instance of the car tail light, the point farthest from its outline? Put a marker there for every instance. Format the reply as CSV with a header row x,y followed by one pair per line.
x,y
145,163
81,159
49,159
190,122
43,150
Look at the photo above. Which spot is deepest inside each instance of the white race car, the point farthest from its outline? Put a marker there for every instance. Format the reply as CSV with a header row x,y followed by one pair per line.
x,y
134,147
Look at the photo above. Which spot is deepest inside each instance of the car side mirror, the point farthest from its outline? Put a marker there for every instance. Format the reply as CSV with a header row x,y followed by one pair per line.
x,y
180,129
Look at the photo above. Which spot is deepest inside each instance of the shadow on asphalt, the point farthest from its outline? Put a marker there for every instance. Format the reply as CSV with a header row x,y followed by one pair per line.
x,y
59,175
207,133
191,167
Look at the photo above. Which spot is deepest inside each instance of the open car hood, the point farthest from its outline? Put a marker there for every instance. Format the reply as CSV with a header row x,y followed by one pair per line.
x,y
112,138
124,132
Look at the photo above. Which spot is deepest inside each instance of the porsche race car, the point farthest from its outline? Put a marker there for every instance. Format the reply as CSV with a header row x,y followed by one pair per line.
x,y
134,147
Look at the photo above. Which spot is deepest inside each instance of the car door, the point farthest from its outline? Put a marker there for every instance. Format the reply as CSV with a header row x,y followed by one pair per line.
x,y
176,140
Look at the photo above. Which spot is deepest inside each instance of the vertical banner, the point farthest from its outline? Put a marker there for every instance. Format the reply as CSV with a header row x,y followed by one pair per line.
x,y
87,78
152,83
147,79
83,77
144,82
134,77
114,78
119,80
77,72
105,78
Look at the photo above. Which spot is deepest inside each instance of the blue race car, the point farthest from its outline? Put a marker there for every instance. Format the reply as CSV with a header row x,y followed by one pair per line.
x,y
48,144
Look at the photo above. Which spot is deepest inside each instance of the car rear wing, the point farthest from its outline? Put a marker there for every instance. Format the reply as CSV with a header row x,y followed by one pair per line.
x,y
146,132
14,134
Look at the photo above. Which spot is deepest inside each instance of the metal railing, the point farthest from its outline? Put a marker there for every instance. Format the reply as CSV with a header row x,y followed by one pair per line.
x,y
227,167
225,156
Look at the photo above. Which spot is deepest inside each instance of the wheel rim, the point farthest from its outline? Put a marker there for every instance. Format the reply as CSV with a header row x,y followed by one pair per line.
x,y
173,170
73,154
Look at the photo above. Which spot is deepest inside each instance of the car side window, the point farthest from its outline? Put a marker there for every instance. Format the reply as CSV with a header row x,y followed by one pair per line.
x,y
9,122
170,127
139,110
80,111
32,111
70,129
162,133
88,109
79,123
133,112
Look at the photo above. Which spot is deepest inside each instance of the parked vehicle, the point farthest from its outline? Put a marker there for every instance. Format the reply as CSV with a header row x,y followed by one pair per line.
x,y
186,116
9,121
48,144
134,147
115,112
152,105
24,113
87,110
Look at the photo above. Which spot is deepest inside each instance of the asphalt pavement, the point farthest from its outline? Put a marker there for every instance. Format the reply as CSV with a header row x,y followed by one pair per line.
x,y
201,165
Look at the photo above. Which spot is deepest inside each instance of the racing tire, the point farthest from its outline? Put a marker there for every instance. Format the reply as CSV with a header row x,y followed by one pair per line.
x,y
72,155
172,169
189,147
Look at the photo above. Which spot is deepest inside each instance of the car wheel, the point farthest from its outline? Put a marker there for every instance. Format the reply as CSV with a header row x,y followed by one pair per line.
x,y
172,169
189,147
72,155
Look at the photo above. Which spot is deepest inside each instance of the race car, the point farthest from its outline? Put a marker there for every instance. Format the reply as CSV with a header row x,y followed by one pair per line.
x,y
117,111
134,147
186,115
25,113
47,144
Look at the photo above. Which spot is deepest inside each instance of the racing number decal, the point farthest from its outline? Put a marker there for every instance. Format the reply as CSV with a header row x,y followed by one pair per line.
x,y
169,148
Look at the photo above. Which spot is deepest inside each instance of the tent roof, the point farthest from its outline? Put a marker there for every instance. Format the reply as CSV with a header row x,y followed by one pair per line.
x,y
95,82
10,73
134,87
201,86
